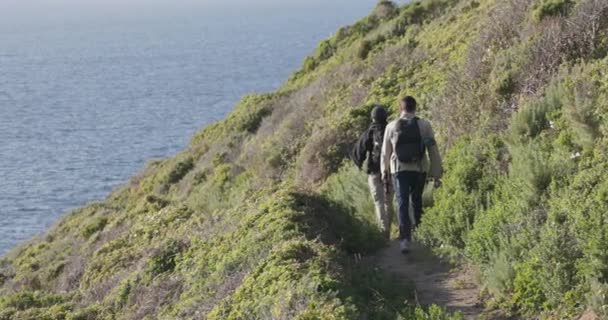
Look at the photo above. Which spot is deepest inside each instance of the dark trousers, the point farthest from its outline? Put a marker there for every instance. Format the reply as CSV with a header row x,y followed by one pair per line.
x,y
408,184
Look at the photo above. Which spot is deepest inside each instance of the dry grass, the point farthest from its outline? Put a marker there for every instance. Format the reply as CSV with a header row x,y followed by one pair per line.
x,y
150,300
69,279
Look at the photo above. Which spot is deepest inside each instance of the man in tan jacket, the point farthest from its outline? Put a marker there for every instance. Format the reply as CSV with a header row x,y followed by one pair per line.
x,y
409,154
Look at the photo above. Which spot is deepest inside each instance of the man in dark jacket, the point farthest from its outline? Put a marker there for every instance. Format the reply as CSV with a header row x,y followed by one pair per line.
x,y
369,147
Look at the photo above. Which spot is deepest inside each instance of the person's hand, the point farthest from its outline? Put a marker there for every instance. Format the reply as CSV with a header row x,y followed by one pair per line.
x,y
437,183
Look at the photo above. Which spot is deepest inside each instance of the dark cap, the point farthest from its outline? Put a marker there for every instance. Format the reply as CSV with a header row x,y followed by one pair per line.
x,y
379,114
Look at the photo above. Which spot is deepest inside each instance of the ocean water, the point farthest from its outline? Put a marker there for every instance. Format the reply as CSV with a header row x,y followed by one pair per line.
x,y
88,94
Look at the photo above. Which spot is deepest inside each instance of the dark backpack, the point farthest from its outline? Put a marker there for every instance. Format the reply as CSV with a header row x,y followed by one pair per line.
x,y
409,147
377,138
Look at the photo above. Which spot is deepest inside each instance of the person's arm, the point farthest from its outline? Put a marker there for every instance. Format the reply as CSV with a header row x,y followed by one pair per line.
x,y
360,149
387,152
436,166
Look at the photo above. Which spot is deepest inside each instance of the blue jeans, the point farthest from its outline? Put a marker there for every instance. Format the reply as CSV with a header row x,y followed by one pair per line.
x,y
408,184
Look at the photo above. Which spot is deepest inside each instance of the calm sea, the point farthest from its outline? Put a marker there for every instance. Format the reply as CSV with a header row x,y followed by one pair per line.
x,y
88,94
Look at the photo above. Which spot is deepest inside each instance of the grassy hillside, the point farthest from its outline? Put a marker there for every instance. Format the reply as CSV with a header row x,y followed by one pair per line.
x,y
261,217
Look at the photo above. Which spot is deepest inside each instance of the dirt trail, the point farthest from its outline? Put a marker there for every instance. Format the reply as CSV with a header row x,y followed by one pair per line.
x,y
436,282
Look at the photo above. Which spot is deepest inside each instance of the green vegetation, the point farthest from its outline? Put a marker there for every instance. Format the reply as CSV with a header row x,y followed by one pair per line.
x,y
535,203
261,216
547,8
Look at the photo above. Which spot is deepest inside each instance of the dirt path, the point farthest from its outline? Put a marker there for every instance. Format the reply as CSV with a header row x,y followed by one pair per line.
x,y
435,282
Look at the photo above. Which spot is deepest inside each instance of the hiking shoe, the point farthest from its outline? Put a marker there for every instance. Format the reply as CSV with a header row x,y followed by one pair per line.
x,y
404,246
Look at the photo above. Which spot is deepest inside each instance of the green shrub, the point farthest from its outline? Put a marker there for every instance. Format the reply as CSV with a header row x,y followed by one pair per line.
x,y
559,253
92,312
433,312
365,26
24,300
499,272
310,63
533,166
98,224
597,298
325,50
364,48
124,292
503,76
180,170
252,121
583,109
164,260
527,289
534,118
412,13
548,8
472,167
158,201
494,227
417,12
584,205
385,9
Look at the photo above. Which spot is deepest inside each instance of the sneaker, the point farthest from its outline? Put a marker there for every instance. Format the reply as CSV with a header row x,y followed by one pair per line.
x,y
404,246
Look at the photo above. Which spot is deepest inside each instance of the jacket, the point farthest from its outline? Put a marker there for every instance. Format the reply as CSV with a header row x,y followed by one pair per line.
x,y
364,147
431,161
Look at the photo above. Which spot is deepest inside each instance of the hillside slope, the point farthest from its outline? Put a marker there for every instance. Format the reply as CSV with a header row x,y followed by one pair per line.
x,y
261,216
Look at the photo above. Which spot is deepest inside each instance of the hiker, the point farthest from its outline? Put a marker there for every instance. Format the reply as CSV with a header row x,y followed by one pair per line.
x,y
409,153
369,147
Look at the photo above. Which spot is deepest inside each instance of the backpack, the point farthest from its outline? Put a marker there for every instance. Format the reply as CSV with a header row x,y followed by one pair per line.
x,y
377,139
409,147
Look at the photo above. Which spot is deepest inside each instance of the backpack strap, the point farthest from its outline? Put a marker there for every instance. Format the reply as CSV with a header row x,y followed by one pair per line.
x,y
422,146
370,142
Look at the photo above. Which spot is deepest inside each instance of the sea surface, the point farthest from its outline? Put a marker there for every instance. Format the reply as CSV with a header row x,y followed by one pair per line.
x,y
90,91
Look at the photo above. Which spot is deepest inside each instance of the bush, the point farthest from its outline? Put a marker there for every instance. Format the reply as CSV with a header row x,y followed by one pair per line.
x,y
95,226
385,9
499,273
472,169
27,299
548,8
412,13
365,26
92,312
164,259
532,119
496,226
364,48
253,120
527,289
584,203
325,50
558,250
503,76
533,166
597,298
180,170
